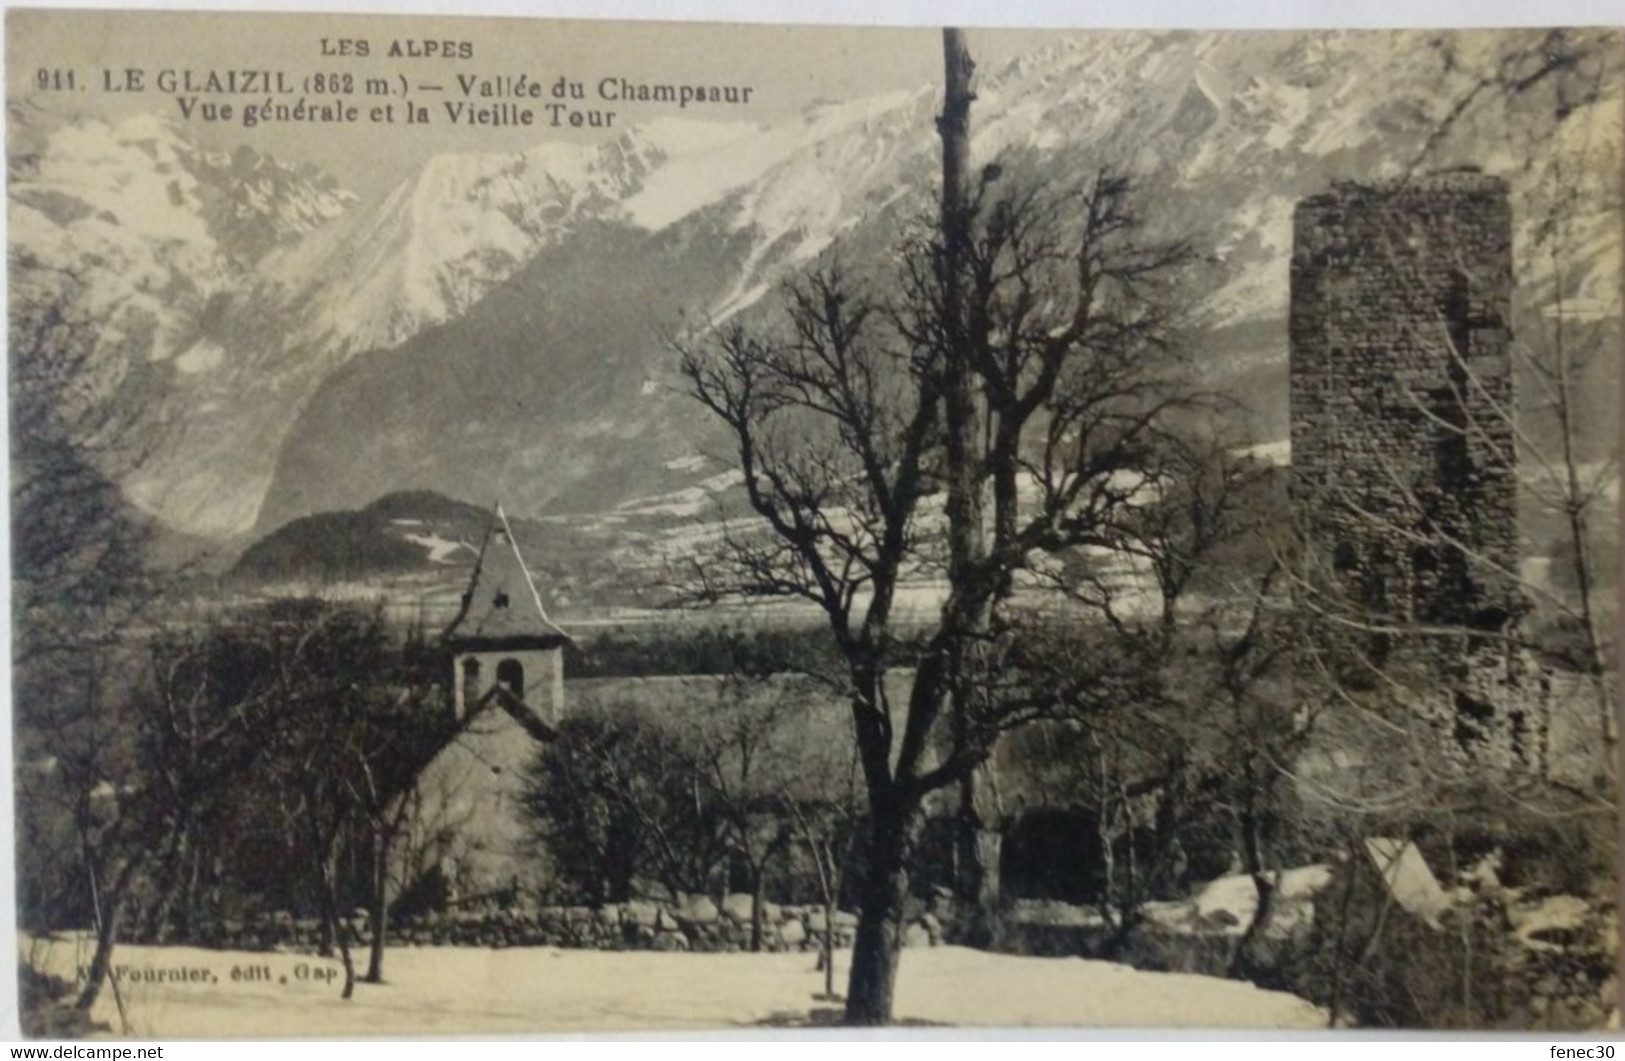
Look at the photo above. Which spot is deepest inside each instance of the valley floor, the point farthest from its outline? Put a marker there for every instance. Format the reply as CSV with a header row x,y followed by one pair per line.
x,y
460,990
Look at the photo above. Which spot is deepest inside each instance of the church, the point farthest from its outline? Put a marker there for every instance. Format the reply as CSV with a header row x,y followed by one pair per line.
x,y
506,696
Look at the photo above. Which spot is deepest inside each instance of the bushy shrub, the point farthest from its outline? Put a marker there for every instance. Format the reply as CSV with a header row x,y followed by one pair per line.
x,y
1371,963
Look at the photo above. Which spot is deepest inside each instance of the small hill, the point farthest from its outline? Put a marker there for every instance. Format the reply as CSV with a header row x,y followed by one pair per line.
x,y
402,532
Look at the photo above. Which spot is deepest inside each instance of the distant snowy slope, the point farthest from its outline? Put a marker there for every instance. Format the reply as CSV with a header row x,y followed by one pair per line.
x,y
448,234
143,235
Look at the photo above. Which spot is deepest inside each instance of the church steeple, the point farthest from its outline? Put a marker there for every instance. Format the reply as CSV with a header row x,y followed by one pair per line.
x,y
501,606
503,646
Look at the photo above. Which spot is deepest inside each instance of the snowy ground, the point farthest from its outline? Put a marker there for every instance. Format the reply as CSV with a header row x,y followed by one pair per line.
x,y
456,990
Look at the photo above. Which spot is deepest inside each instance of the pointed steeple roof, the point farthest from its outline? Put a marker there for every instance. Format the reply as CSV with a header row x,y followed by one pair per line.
x,y
501,608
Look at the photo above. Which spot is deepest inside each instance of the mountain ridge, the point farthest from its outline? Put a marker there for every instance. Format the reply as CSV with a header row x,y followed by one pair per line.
x,y
261,355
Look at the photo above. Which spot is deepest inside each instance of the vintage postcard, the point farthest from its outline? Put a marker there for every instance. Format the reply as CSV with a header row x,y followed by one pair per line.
x,y
536,527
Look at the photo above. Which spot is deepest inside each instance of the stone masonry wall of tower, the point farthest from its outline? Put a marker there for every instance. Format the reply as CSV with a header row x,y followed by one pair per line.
x,y
1402,393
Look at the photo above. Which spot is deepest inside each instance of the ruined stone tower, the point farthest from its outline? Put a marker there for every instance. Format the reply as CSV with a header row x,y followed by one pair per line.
x,y
1402,436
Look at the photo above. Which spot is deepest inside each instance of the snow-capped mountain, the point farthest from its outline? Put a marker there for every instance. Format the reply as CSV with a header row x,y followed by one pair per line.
x,y
500,325
139,228
447,235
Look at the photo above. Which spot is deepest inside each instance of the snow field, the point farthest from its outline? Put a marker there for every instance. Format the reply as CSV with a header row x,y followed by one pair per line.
x,y
464,990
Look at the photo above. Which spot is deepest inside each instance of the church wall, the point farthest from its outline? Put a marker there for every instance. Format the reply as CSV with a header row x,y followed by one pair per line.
x,y
470,823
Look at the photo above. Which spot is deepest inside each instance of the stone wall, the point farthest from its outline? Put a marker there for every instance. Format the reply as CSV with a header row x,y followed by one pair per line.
x,y
694,924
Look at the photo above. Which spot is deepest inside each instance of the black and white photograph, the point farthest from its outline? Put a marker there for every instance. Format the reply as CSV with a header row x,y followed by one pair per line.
x,y
530,526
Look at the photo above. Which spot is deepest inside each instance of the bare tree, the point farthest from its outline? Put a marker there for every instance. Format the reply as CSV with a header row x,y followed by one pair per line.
x,y
1571,345
748,747
1025,361
621,799
823,807
389,753
1268,722
359,730
202,729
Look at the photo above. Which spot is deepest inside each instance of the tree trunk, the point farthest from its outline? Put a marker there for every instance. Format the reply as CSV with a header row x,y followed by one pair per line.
x,y
1105,836
174,874
189,897
1247,963
348,961
1334,1007
109,909
379,914
1255,823
326,934
823,856
331,929
976,882
977,857
827,955
1575,509
101,962
879,942
758,882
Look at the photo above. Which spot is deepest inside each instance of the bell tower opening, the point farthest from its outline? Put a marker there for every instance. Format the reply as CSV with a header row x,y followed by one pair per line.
x,y
511,676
